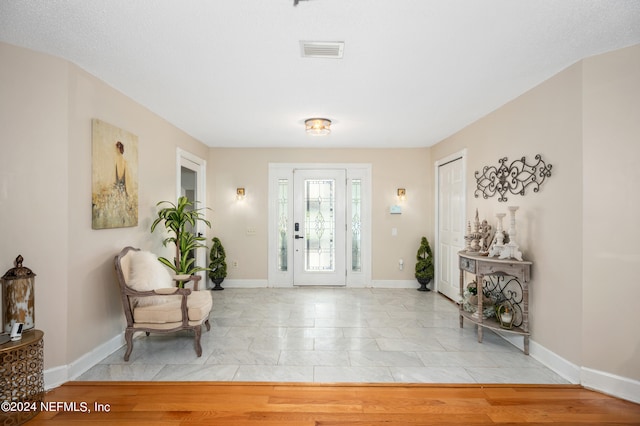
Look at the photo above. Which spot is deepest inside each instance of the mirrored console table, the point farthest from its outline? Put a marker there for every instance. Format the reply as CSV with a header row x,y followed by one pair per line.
x,y
508,278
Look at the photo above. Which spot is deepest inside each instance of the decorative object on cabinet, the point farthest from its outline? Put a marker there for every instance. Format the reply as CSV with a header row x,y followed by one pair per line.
x,y
506,281
424,264
18,297
114,195
479,240
217,266
177,218
500,238
470,301
510,250
514,178
504,314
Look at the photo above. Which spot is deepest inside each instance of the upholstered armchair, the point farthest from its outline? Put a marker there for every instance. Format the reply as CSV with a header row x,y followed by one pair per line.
x,y
153,303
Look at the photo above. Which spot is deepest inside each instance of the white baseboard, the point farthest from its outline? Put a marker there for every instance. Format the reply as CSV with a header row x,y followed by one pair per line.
x,y
230,283
394,284
565,369
56,376
607,383
611,384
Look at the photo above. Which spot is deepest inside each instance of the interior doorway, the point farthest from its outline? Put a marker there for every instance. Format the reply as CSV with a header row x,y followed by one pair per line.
x,y
450,216
191,182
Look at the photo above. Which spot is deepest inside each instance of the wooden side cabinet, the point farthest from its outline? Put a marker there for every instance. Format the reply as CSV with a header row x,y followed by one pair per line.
x,y
21,377
507,277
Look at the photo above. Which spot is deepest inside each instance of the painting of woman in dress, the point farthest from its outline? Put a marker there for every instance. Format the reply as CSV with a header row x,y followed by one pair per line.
x,y
114,177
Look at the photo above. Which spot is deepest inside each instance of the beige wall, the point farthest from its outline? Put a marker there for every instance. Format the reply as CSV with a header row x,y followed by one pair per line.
x,y
45,194
611,230
583,267
391,169
34,165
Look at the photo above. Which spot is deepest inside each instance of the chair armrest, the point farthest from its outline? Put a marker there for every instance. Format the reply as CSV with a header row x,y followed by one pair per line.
x,y
183,292
165,291
185,278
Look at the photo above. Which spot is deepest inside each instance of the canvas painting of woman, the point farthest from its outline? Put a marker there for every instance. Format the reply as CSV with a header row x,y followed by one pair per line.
x,y
114,177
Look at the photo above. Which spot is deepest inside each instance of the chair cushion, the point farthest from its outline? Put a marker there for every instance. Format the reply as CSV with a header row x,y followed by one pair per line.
x,y
198,307
147,273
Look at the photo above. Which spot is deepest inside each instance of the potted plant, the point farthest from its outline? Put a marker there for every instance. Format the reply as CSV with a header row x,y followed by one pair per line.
x,y
217,267
424,265
176,218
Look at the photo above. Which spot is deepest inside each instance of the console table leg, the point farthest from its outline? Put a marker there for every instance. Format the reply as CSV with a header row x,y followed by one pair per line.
x,y
526,345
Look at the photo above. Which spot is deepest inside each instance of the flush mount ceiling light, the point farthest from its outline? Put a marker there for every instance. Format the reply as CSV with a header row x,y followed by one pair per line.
x,y
317,126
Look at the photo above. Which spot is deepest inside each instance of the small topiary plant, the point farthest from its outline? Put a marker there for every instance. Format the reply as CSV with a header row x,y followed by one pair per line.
x,y
217,267
424,265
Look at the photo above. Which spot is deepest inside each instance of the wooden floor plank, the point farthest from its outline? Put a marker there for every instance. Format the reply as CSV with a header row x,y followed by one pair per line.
x,y
269,404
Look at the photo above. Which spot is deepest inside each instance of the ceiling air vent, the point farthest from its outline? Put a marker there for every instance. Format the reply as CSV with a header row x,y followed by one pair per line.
x,y
322,49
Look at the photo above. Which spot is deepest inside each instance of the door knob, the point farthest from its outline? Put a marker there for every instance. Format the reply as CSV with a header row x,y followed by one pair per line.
x,y
298,237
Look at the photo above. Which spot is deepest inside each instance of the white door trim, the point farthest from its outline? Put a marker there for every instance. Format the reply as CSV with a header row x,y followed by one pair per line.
x,y
362,171
197,164
449,158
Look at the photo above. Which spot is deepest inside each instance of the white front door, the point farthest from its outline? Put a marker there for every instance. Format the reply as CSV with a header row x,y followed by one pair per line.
x,y
319,244
451,208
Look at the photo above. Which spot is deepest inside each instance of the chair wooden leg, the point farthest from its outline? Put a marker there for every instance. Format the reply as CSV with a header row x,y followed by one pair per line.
x,y
128,337
198,333
207,324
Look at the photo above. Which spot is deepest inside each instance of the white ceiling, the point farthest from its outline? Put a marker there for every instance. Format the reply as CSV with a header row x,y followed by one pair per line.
x,y
230,72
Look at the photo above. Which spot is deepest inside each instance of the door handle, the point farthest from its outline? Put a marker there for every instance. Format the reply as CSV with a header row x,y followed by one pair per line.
x,y
297,237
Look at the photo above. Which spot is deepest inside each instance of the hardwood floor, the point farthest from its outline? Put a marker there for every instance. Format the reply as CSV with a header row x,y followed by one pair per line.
x,y
283,404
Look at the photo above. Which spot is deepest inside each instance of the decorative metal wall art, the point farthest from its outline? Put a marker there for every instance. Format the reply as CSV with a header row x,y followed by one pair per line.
x,y
514,178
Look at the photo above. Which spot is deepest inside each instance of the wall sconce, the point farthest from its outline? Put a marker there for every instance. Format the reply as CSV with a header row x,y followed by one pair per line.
x,y
240,194
317,126
402,194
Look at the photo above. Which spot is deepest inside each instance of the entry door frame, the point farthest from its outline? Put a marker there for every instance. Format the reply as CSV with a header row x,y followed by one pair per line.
x,y
461,156
199,166
361,171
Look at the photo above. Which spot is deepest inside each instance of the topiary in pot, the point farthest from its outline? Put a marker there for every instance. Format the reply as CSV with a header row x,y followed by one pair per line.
x,y
217,267
424,265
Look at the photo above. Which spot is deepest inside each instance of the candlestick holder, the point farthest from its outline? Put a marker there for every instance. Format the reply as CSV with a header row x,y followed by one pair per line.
x,y
511,250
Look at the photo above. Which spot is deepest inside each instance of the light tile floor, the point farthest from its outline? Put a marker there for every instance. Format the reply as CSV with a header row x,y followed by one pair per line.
x,y
328,335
